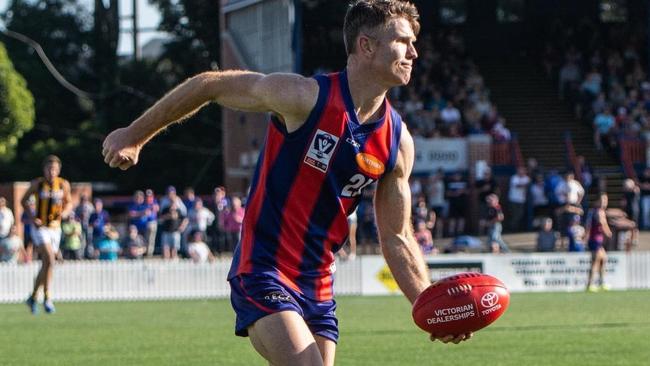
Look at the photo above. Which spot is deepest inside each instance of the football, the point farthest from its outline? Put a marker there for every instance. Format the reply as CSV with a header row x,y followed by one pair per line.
x,y
462,303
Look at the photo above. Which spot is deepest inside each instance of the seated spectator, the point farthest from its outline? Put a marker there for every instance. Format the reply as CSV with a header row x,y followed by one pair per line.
x,y
108,248
134,244
72,238
494,217
197,249
547,237
11,247
576,235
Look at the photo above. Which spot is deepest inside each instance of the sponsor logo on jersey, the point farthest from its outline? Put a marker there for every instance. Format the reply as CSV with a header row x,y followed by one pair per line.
x,y
277,296
370,164
321,149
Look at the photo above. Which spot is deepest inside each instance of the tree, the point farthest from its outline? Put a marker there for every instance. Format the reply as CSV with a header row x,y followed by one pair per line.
x,y
62,28
16,107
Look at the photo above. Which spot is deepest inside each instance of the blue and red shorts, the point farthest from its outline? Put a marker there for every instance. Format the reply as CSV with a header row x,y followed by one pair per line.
x,y
256,295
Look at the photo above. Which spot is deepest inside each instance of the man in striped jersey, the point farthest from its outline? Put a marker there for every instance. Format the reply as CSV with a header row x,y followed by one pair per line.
x,y
330,136
52,194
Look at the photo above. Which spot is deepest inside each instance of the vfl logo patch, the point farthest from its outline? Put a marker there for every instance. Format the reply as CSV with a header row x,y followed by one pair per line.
x,y
321,149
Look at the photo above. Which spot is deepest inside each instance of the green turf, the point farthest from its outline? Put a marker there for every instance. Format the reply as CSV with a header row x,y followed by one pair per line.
x,y
538,329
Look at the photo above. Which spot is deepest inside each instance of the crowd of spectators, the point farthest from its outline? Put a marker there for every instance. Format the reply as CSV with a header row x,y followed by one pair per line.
x,y
172,226
600,69
447,96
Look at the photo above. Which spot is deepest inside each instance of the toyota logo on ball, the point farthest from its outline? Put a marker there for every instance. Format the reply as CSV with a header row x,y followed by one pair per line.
x,y
489,300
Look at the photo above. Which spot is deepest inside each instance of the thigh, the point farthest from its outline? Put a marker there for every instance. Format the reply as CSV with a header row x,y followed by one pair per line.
x,y
283,338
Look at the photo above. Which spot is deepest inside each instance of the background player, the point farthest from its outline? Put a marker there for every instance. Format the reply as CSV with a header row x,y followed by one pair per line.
x,y
52,194
319,135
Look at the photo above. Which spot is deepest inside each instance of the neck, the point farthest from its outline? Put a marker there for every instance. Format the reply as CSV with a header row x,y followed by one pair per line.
x,y
367,94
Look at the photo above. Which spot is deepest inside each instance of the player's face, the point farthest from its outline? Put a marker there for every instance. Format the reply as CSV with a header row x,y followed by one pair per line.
x,y
51,170
395,52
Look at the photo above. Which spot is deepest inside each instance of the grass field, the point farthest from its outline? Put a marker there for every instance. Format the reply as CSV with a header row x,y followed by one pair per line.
x,y
538,329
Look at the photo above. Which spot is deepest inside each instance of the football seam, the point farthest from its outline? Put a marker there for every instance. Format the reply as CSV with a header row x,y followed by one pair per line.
x,y
415,310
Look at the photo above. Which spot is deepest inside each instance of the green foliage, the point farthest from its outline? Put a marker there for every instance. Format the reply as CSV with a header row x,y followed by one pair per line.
x,y
62,28
16,107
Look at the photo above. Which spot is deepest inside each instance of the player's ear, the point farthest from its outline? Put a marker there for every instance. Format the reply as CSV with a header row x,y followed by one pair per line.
x,y
365,44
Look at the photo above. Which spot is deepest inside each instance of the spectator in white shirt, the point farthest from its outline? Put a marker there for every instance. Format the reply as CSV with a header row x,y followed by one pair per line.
x,y
197,248
6,218
450,114
517,198
569,191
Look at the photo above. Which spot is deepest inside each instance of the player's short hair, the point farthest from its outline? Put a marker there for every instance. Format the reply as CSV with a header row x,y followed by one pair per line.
x,y
368,14
51,159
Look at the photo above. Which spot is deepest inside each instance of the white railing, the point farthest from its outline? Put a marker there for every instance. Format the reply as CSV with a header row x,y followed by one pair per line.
x,y
157,279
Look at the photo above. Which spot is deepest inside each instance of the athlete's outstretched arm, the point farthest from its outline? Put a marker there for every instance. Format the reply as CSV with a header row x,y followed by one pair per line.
x,y
290,96
393,212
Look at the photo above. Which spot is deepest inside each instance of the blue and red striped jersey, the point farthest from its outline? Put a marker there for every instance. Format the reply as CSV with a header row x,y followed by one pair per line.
x,y
306,184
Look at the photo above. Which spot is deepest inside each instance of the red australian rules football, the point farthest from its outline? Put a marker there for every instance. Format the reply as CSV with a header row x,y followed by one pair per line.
x,y
462,303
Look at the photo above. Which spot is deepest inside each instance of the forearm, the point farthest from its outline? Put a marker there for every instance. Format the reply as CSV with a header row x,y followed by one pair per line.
x,y
232,89
407,265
